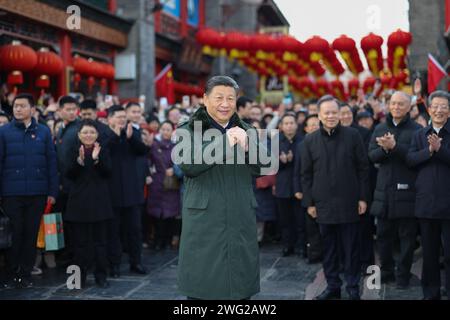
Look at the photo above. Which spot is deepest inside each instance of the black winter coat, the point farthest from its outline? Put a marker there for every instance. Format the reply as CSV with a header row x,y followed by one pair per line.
x,y
66,140
432,183
334,174
89,197
394,195
284,186
126,184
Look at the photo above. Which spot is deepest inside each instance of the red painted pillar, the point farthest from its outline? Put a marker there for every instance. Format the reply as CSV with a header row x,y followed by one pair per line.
x,y
201,12
66,55
158,22
112,6
184,18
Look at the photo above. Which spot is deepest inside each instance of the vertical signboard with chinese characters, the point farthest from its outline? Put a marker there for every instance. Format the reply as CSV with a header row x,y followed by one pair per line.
x,y
272,87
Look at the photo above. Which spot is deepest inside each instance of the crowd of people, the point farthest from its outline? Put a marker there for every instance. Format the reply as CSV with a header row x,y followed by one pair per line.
x,y
349,172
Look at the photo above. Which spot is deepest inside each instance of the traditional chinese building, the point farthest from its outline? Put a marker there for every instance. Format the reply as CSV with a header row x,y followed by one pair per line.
x,y
78,54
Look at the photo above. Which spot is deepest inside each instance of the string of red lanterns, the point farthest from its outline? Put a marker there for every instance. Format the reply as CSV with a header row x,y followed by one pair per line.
x,y
283,55
17,59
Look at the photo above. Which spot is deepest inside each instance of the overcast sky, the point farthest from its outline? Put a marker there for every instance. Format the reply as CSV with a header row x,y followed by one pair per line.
x,y
355,18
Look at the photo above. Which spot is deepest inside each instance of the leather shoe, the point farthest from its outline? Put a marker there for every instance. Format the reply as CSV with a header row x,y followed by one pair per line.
x,y
354,295
115,272
287,252
302,254
102,283
315,260
387,278
139,269
329,295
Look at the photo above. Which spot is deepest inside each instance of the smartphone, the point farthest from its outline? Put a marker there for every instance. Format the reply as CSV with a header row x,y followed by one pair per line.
x,y
287,101
186,102
163,102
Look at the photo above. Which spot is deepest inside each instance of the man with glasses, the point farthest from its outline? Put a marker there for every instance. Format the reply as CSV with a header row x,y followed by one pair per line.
x,y
430,155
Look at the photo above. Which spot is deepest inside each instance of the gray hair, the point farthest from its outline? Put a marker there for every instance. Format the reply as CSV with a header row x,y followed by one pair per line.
x,y
404,94
221,81
438,94
327,98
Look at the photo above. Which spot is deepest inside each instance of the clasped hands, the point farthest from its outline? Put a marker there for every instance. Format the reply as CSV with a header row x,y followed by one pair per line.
x,y
238,136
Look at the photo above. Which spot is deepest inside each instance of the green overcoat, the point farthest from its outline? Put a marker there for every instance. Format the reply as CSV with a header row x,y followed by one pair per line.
x,y
219,255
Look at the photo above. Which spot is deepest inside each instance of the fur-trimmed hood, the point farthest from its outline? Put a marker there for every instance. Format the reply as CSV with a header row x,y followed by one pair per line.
x,y
202,115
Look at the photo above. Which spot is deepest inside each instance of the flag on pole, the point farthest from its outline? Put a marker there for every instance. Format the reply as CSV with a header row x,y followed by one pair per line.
x,y
164,84
435,73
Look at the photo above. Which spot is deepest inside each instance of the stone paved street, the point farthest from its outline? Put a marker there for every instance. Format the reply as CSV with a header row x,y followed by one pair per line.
x,y
289,278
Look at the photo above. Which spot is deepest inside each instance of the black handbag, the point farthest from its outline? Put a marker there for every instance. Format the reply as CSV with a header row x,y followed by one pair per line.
x,y
171,183
5,230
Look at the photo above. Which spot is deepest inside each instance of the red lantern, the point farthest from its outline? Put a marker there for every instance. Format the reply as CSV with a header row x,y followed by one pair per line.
x,y
338,89
317,68
110,71
81,65
306,87
353,86
347,48
398,43
371,45
263,42
368,84
316,47
237,41
48,64
210,39
17,58
289,44
95,69
323,87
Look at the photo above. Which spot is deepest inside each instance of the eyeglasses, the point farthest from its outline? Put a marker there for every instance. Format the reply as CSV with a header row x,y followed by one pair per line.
x,y
440,106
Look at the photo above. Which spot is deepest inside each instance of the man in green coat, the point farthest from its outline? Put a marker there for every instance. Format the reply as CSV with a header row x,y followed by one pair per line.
x,y
219,256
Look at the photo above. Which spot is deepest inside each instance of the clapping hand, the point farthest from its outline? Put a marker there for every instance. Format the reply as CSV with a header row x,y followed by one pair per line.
x,y
129,130
434,142
81,155
96,151
116,129
283,157
387,142
290,156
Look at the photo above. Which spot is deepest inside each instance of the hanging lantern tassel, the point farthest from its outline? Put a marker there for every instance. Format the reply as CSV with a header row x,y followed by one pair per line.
x,y
103,84
15,79
43,82
76,80
90,83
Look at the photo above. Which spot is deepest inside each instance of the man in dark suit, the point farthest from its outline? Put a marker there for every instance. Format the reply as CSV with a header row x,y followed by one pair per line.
x,y
335,173
127,193
394,196
430,155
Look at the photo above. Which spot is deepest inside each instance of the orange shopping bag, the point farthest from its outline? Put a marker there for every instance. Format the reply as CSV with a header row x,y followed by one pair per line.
x,y
40,244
